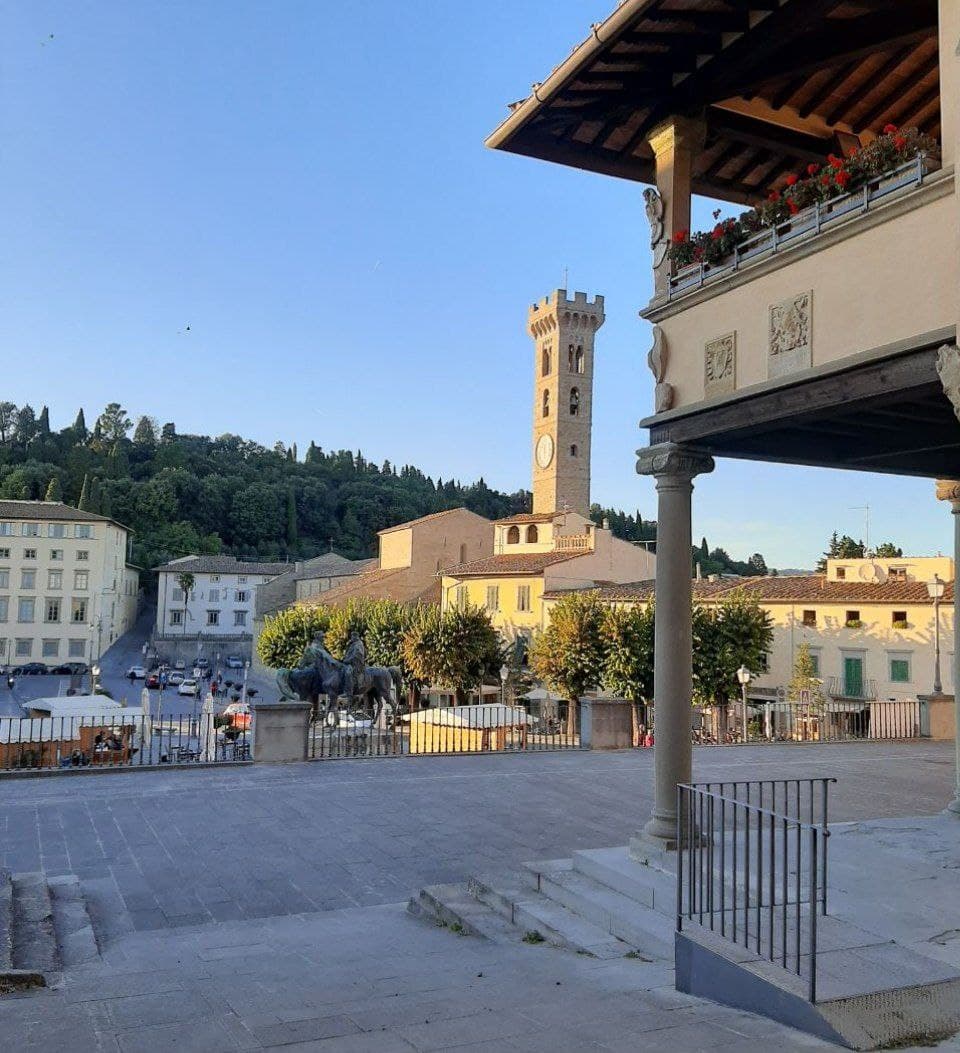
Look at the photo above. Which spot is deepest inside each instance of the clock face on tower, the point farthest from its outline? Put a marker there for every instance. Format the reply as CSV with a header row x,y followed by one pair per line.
x,y
544,451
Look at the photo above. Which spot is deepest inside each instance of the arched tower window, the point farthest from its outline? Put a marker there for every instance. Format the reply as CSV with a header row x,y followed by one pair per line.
x,y
545,363
513,535
578,359
574,450
532,534
570,357
574,402
546,402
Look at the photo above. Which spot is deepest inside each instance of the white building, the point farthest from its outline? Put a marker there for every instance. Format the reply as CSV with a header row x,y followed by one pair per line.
x,y
220,605
67,590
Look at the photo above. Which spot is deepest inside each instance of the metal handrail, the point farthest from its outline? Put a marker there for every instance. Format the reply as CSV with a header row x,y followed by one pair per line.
x,y
729,846
790,231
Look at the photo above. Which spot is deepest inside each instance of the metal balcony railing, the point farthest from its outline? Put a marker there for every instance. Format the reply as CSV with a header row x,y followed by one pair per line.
x,y
839,687
802,227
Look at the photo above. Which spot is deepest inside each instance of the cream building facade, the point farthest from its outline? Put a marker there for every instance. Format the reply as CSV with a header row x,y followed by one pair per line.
x,y
67,589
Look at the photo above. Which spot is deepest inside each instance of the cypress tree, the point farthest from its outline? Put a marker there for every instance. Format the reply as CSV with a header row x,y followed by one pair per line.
x,y
54,491
84,502
95,497
43,422
80,425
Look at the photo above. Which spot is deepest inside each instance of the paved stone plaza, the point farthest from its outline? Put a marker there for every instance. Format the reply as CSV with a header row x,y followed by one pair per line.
x,y
185,848
307,869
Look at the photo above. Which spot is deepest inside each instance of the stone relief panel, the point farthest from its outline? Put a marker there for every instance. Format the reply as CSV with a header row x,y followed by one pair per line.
x,y
791,335
720,366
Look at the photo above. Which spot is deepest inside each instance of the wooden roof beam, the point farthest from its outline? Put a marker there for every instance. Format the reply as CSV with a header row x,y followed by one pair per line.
x,y
891,105
877,78
767,136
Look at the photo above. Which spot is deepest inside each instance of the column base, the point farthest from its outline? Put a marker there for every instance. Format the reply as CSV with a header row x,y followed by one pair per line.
x,y
657,836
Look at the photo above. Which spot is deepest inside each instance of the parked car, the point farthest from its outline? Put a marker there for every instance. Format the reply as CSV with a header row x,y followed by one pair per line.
x,y
136,672
202,663
174,678
179,664
152,680
234,661
70,669
188,687
32,669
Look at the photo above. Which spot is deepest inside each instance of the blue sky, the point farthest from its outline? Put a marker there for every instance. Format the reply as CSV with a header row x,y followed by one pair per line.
x,y
303,184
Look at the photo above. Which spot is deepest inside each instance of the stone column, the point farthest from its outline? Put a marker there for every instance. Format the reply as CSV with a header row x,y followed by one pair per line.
x,y
673,467
675,145
949,490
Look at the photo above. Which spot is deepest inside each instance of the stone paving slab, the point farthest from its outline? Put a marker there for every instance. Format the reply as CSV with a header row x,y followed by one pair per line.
x,y
175,849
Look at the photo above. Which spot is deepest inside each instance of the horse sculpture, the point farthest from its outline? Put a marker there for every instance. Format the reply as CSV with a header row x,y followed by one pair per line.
x,y
319,673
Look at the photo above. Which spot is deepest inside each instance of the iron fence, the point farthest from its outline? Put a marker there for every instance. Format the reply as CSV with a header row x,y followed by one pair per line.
x,y
827,720
752,866
442,730
120,740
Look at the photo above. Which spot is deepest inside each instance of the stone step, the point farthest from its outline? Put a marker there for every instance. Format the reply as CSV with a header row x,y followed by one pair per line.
x,y
34,940
531,912
453,906
6,921
108,914
71,922
645,884
644,929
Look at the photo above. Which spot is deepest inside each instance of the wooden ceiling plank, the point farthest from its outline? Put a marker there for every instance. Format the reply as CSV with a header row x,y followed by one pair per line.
x,y
832,84
876,79
766,135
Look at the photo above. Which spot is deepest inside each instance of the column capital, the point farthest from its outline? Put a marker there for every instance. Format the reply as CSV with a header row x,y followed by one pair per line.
x,y
949,490
677,132
669,459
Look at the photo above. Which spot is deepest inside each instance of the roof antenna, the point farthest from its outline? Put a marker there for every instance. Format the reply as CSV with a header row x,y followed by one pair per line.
x,y
866,520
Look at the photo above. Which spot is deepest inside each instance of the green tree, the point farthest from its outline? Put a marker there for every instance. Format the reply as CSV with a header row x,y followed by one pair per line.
x,y
43,422
888,550
54,490
145,434
185,581
285,635
83,502
628,638
80,427
570,654
114,423
455,649
292,536
805,685
758,563
8,417
94,501
345,619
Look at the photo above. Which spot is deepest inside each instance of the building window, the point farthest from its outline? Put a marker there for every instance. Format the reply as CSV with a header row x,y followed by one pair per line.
x,y
574,402
764,663
570,357
841,573
810,619
4,553
213,617
23,648
546,403
29,553
900,669
56,530
78,611
574,450
51,611
4,579
241,596
239,617
51,648
899,620
83,555
523,598
177,595
56,553
4,608
461,596
30,530
6,529
214,595
81,579
545,363
242,579
493,597
28,579
176,617
54,579
26,609
513,535
897,573
76,648
853,620
815,661
532,534
214,577
83,530
578,359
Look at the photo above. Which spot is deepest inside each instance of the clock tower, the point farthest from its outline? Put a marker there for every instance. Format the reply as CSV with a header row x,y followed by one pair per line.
x,y
563,335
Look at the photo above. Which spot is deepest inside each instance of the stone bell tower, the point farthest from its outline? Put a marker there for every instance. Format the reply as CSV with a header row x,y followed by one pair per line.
x,y
563,335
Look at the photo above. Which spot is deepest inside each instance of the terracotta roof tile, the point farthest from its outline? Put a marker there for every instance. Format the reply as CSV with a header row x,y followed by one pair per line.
x,y
221,565
49,510
397,583
511,563
427,519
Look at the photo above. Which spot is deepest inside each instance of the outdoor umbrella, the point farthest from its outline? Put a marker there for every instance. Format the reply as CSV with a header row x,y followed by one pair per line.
x,y
146,725
208,733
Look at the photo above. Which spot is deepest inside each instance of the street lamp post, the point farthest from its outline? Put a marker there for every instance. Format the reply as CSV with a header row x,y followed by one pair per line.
x,y
504,676
743,675
935,590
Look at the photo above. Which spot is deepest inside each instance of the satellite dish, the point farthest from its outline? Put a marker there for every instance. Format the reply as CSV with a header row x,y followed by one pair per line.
x,y
872,572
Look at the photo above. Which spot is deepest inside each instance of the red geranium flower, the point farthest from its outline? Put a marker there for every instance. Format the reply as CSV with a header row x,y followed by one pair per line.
x,y
835,162
717,232
889,129
899,142
792,180
774,195
680,237
842,178
812,169
794,207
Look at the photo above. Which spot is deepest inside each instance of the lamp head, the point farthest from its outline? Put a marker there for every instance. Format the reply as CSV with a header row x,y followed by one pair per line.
x,y
743,675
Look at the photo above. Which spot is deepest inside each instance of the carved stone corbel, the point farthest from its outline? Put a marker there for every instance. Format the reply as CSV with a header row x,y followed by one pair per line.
x,y
657,361
948,369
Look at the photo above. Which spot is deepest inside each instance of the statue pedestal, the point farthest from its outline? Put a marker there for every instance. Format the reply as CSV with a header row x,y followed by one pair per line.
x,y
606,723
281,732
937,719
